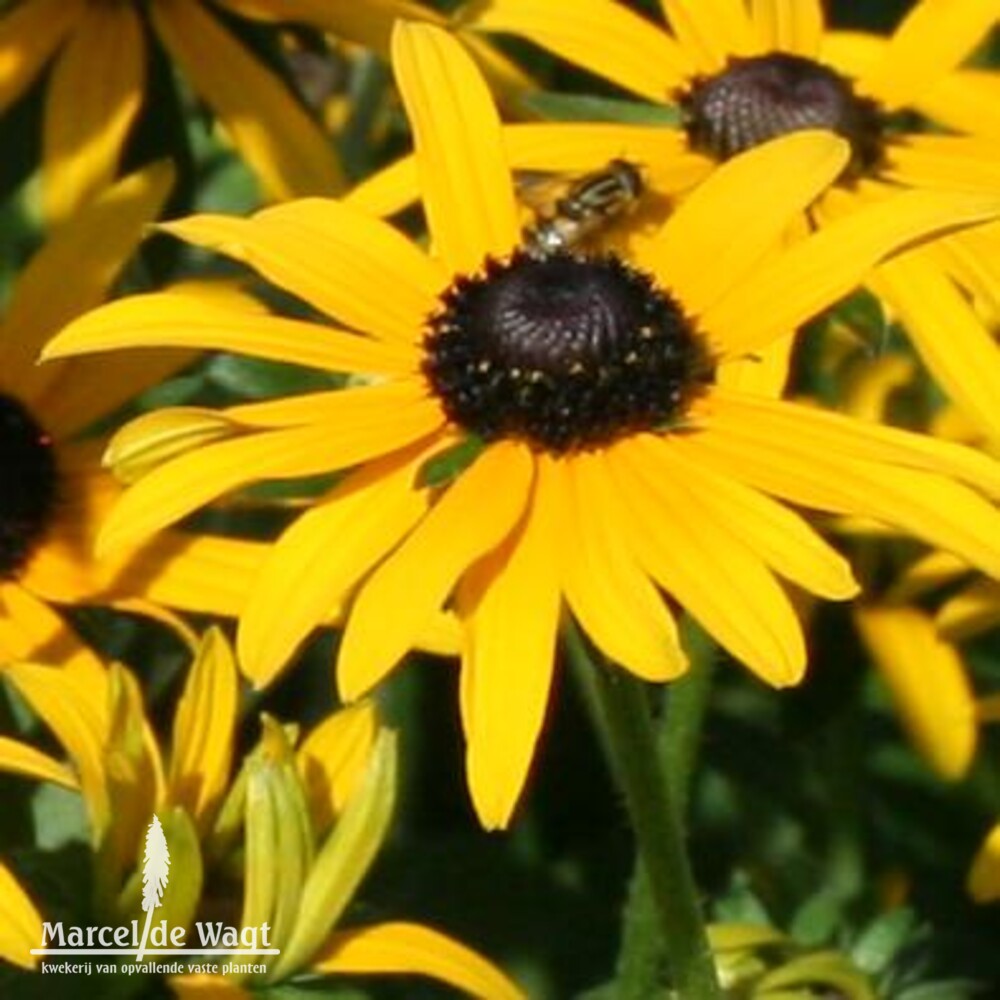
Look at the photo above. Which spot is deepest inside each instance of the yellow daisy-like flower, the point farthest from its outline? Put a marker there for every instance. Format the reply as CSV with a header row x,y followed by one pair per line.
x,y
99,53
745,71
308,817
54,493
545,429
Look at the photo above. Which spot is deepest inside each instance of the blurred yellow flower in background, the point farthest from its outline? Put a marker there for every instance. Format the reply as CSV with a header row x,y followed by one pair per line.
x,y
302,820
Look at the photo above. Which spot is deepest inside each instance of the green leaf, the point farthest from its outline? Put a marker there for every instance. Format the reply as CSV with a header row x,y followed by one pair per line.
x,y
447,465
878,943
585,108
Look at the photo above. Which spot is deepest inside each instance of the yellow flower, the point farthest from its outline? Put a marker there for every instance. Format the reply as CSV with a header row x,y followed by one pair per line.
x,y
99,54
307,820
537,430
54,493
744,72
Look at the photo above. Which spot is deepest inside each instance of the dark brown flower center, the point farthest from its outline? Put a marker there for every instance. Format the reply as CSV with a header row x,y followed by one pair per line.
x,y
28,484
763,97
563,351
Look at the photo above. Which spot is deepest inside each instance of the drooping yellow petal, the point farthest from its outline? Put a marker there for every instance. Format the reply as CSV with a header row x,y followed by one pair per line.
x,y
322,555
20,923
509,603
711,30
927,574
93,97
28,36
31,630
411,949
472,517
174,490
813,273
343,264
204,731
818,473
719,223
204,574
181,320
697,557
73,272
805,427
20,758
776,534
983,882
612,598
332,759
369,24
285,148
954,343
934,37
789,25
632,52
972,611
953,162
928,683
75,708
464,178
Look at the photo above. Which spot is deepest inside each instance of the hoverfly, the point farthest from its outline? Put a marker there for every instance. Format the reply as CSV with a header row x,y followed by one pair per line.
x,y
591,203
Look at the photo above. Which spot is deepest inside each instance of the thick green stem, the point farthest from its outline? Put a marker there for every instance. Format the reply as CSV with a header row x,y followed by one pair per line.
x,y
630,738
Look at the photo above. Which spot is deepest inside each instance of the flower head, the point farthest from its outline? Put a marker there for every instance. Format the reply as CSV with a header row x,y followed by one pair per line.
x,y
54,492
533,433
306,818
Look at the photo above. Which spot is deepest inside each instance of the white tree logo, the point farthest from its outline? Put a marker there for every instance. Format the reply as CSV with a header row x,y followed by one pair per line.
x,y
155,871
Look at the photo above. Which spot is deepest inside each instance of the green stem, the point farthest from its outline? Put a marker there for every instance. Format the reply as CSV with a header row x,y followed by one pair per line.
x,y
619,702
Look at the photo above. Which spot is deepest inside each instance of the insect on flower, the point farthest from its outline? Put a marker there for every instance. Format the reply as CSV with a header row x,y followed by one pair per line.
x,y
588,206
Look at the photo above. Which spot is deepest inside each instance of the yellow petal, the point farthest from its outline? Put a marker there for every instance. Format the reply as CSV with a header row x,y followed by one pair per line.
x,y
817,473
695,556
603,37
180,320
31,630
608,592
711,30
321,557
74,270
20,923
464,178
76,710
369,24
927,574
797,284
928,683
198,573
509,603
336,258
285,148
206,986
828,433
344,859
411,949
174,490
972,611
472,517
954,343
204,731
789,25
786,175
966,100
20,758
28,37
934,37
983,883
88,113
956,163
778,536
332,760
